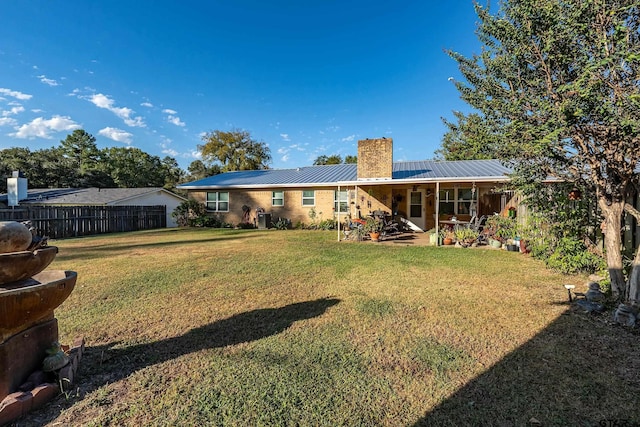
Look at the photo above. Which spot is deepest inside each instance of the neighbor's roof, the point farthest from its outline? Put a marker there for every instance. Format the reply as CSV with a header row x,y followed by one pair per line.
x,y
346,174
86,196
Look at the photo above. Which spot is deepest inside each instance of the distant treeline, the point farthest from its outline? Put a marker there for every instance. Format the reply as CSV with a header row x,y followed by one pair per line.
x,y
78,163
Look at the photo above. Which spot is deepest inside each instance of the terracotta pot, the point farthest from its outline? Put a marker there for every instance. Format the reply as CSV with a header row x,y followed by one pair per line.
x,y
374,236
447,241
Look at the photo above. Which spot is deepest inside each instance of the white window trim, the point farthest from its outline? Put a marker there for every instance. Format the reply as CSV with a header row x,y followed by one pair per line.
x,y
273,198
337,201
456,199
309,198
217,202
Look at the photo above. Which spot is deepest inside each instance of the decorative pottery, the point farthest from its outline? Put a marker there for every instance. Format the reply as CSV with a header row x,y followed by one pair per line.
x,y
21,265
14,237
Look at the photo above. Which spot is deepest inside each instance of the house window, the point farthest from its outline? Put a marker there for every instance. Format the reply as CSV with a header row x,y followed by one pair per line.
x,y
218,201
455,201
342,198
464,201
308,198
277,198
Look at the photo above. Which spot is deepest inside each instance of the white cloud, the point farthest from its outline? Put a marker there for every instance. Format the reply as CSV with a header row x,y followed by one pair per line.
x,y
15,94
116,134
175,120
43,128
103,101
170,152
47,81
8,121
15,110
37,111
349,138
147,104
285,137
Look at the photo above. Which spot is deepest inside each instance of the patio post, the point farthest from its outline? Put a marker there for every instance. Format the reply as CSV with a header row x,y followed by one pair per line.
x,y
338,211
437,218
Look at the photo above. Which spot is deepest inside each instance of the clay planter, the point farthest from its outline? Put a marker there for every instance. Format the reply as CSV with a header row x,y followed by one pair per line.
x,y
32,301
375,237
447,241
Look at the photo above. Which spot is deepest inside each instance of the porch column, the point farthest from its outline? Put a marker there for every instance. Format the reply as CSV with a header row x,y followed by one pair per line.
x,y
437,218
338,197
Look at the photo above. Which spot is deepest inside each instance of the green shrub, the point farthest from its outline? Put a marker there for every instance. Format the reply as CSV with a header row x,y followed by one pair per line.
x,y
571,256
188,211
328,224
281,224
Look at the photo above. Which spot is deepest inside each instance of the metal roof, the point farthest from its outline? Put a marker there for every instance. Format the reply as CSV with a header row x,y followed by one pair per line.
x,y
346,174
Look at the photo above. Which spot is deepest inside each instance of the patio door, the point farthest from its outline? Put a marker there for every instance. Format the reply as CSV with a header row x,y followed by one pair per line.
x,y
416,209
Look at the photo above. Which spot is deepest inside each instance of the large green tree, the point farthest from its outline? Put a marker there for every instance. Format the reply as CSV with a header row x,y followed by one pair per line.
x,y
235,150
335,159
556,91
81,150
198,170
466,139
132,167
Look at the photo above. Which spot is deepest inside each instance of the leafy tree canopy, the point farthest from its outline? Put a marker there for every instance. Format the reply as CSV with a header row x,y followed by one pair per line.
x,y
555,91
334,159
235,150
81,149
198,170
77,162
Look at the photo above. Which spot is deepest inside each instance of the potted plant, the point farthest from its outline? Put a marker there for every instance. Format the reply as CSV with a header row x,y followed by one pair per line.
x,y
433,237
374,227
465,236
447,235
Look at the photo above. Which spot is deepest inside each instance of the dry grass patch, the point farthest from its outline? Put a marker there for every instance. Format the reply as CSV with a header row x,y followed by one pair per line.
x,y
227,327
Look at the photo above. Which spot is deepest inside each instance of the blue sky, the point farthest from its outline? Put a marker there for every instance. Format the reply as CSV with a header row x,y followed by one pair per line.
x,y
306,77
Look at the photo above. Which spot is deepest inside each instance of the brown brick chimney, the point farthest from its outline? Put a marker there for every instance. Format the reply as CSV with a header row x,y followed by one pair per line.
x,y
375,158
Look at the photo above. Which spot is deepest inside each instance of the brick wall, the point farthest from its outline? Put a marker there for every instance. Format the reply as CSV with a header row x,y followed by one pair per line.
x,y
375,158
292,209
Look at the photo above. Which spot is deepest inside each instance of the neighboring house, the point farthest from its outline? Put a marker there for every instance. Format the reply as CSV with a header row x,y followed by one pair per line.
x,y
424,192
154,196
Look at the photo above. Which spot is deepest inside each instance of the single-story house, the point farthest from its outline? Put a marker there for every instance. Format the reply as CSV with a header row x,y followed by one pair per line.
x,y
423,192
154,196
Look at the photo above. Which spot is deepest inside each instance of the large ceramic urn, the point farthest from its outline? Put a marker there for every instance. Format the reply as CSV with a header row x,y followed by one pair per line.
x,y
28,297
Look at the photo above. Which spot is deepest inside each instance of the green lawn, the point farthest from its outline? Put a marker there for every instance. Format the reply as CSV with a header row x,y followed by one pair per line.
x,y
247,327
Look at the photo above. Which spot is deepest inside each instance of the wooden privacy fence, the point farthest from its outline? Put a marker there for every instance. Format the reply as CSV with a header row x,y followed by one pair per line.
x,y
59,222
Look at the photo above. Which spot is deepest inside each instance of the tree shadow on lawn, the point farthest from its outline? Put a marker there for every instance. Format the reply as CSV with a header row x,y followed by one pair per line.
x,y
582,370
104,364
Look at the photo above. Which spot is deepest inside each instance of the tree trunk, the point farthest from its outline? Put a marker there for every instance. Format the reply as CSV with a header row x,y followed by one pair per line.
x,y
613,246
633,285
